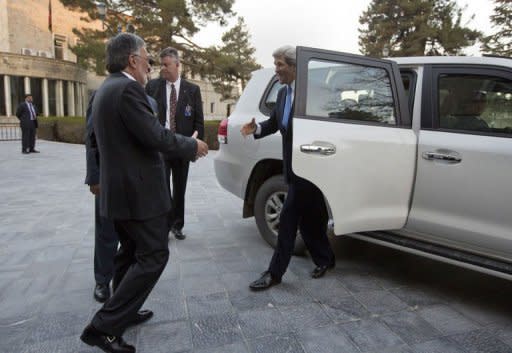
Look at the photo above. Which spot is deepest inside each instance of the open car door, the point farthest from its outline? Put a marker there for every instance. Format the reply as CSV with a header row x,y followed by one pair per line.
x,y
352,137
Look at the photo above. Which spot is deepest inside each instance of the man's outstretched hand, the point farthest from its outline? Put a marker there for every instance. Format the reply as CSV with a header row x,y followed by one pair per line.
x,y
202,147
249,128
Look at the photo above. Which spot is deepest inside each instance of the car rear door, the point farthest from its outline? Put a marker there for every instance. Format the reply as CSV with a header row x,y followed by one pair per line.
x,y
352,137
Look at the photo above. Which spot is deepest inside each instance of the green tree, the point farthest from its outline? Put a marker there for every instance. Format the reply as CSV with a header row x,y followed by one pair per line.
x,y
233,61
500,42
161,23
414,27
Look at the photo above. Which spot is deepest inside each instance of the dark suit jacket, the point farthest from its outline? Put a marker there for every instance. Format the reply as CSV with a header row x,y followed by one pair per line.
x,y
92,156
23,114
129,139
189,111
274,123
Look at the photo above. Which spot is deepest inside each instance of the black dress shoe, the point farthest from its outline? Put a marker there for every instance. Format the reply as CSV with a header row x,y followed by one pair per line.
x,y
34,151
265,281
142,316
107,343
24,152
178,234
101,292
320,271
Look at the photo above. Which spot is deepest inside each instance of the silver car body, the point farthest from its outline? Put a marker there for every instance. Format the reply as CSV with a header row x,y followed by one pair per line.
x,y
463,206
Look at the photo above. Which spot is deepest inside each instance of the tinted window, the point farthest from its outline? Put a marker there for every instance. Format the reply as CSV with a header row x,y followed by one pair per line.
x,y
478,103
271,98
349,91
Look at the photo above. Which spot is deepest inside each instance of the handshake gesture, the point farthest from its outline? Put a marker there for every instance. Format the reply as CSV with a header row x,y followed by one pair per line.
x,y
249,128
202,147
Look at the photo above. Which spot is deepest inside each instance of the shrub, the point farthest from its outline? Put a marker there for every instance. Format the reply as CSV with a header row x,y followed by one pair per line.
x,y
71,129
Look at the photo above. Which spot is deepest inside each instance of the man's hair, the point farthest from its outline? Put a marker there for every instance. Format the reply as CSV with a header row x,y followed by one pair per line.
x,y
288,53
119,49
28,95
170,51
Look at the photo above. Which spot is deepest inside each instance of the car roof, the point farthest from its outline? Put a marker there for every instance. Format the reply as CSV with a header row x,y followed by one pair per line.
x,y
475,60
446,60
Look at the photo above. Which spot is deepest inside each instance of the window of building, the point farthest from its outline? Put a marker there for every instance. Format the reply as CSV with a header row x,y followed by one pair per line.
x,y
478,103
59,43
212,107
65,97
52,97
17,91
228,109
36,89
3,109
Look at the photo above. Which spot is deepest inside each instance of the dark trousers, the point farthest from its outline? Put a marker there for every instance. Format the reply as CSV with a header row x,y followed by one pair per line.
x,y
28,138
139,262
178,169
303,209
105,246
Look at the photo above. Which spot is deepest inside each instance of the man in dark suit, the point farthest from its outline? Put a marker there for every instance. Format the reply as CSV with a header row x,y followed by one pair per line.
x,y
181,110
105,236
133,190
27,115
304,207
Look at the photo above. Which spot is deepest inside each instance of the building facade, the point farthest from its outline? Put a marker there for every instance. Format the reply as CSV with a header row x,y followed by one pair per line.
x,y
35,57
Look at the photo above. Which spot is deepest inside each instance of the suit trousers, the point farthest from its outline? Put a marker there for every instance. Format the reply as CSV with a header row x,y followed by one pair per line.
x,y
303,209
28,138
105,246
178,169
139,262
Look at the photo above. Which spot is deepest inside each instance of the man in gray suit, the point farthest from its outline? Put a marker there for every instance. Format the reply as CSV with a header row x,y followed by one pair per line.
x,y
133,191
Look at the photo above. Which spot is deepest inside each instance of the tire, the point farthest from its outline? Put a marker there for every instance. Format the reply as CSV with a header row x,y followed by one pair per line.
x,y
267,209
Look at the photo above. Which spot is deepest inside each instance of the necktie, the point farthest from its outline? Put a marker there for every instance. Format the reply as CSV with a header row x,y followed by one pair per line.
x,y
172,109
32,112
287,106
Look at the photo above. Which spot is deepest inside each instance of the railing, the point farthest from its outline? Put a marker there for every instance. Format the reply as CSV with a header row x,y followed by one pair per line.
x,y
10,132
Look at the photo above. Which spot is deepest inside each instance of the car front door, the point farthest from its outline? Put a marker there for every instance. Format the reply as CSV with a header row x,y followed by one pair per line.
x,y
352,137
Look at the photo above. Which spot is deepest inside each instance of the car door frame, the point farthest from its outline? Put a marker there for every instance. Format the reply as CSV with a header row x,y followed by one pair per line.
x,y
402,121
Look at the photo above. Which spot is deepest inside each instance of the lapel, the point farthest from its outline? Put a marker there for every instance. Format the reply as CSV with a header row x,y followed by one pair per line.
x,y
162,97
182,98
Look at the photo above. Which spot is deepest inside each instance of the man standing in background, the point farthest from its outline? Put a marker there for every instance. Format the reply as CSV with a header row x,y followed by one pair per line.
x,y
180,109
27,115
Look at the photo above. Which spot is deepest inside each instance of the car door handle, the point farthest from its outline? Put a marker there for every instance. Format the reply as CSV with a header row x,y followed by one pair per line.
x,y
318,149
441,156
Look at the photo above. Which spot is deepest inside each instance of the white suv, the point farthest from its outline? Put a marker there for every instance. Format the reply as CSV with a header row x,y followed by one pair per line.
x,y
414,153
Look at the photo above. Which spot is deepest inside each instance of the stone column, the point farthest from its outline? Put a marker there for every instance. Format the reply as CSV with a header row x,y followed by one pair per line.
x,y
59,99
46,103
26,84
80,97
71,98
7,97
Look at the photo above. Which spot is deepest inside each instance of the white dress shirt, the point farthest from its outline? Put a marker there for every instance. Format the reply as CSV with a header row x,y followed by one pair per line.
x,y
168,88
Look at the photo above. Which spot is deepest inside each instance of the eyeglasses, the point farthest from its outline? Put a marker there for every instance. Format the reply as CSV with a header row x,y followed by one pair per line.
x,y
149,60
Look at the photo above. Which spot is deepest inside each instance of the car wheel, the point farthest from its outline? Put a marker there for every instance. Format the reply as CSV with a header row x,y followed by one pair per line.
x,y
267,209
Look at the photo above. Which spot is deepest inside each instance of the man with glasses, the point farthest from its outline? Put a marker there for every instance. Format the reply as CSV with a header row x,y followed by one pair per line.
x,y
133,191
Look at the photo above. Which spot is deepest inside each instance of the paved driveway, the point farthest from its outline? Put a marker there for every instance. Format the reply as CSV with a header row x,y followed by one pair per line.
x,y
376,300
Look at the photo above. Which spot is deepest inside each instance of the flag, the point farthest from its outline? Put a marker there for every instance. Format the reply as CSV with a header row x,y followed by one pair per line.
x,y
50,15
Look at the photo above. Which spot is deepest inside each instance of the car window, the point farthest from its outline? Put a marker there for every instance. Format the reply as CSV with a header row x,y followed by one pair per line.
x,y
475,103
349,91
271,98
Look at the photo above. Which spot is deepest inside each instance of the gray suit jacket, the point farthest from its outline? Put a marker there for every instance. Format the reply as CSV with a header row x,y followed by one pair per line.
x,y
129,140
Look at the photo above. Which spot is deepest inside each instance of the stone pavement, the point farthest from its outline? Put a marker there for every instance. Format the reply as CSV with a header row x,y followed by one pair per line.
x,y
376,300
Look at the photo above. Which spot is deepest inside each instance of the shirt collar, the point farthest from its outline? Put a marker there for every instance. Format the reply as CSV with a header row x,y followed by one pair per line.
x,y
176,83
128,75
